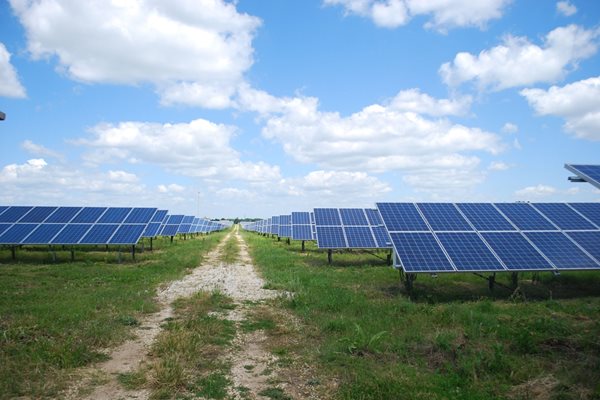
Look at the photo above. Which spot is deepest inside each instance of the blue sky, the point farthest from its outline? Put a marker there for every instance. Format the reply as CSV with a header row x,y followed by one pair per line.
x,y
256,108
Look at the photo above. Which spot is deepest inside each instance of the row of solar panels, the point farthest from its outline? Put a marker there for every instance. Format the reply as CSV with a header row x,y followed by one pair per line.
x,y
93,225
589,173
447,237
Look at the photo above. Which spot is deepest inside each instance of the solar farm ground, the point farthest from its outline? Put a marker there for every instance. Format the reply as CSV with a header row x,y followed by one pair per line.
x,y
341,331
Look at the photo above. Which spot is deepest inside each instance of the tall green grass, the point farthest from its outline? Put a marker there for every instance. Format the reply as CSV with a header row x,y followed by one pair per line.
x,y
54,317
453,340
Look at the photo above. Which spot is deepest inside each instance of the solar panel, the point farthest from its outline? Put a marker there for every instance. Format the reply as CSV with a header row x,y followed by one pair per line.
x,y
360,237
88,215
71,234
16,233
327,217
152,229
184,228
13,214
381,237
169,230
99,234
4,227
485,217
590,241
469,252
38,214
285,226
353,217
300,218
275,225
114,215
589,210
188,219
3,208
331,237
563,216
302,232
516,252
373,217
127,234
559,249
63,215
160,216
589,173
525,217
43,234
140,215
444,217
175,219
419,252
401,217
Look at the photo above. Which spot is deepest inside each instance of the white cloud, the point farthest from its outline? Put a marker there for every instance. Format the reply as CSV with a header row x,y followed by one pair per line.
x,y
193,52
342,183
518,62
578,103
535,192
565,8
509,127
171,188
39,150
443,14
398,135
199,148
498,166
10,86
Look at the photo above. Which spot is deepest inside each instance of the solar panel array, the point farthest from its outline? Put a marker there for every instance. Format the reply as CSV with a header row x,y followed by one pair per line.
x,y
589,173
349,228
476,237
91,225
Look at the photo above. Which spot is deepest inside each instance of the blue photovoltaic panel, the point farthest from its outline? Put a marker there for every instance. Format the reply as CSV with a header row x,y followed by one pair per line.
x,y
516,252
374,217
160,216
88,215
114,215
302,232
360,237
485,217
4,227
525,217
140,215
589,210
401,217
590,241
43,234
285,219
300,218
285,231
71,234
99,234
152,229
330,237
184,228
16,233
188,219
169,230
13,214
175,220
420,252
590,173
37,214
3,208
563,253
564,216
127,234
353,217
444,217
381,237
469,252
327,216
63,215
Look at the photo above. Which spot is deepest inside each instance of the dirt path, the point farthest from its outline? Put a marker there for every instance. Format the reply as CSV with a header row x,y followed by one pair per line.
x,y
253,368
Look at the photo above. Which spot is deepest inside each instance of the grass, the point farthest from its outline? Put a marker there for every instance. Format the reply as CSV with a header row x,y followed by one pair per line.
x,y
55,316
454,339
186,353
231,251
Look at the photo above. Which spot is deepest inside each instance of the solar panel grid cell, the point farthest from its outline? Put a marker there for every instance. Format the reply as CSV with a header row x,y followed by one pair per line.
x,y
469,252
160,216
563,216
43,234
300,218
590,241
88,215
420,252
71,234
63,215
525,217
140,216
331,237
400,217
589,210
590,173
516,252
444,217
327,217
127,234
360,237
16,233
563,253
381,236
353,217
14,214
99,234
374,217
38,214
302,232
484,217
4,228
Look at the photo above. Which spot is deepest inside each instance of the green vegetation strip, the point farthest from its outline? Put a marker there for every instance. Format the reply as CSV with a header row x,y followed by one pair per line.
x,y
55,316
454,340
231,251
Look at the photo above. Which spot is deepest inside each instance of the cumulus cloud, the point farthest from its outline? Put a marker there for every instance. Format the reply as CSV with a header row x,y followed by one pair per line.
x,y
444,14
535,192
193,52
565,8
10,86
518,62
578,103
39,150
171,188
509,127
199,148
411,132
498,166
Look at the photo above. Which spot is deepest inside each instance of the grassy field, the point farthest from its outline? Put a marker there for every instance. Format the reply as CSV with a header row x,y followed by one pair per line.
x,y
454,339
56,315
